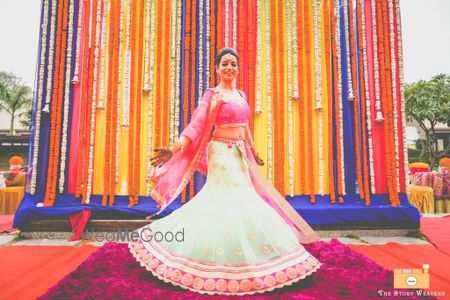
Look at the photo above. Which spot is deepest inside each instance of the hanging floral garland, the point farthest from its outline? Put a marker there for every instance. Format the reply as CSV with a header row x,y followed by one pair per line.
x,y
63,161
39,98
338,106
394,92
327,13
94,101
318,77
150,93
355,102
367,102
269,91
258,108
81,170
55,118
401,87
51,61
289,23
301,105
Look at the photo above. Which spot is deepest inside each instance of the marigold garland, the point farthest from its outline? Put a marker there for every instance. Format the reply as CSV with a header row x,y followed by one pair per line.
x,y
173,76
401,86
240,40
115,100
356,108
165,72
318,80
227,23
220,23
301,99
269,94
371,173
309,101
250,57
56,96
193,78
94,101
90,107
214,26
133,102
80,17
387,104
328,59
385,98
337,100
391,45
379,113
120,83
51,57
278,90
66,101
363,98
187,71
288,14
151,94
80,182
137,162
39,98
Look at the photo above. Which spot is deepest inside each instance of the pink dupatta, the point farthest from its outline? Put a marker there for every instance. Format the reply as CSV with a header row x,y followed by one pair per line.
x,y
174,175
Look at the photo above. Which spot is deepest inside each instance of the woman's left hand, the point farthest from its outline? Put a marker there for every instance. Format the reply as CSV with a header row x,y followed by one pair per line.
x,y
259,161
162,156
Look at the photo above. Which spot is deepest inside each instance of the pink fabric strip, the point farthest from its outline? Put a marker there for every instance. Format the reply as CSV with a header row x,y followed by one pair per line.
x,y
75,126
377,128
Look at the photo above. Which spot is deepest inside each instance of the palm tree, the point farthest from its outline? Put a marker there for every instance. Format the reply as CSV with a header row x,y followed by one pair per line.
x,y
14,100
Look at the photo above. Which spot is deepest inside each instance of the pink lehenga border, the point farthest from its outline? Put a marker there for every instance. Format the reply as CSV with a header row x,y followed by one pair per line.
x,y
201,281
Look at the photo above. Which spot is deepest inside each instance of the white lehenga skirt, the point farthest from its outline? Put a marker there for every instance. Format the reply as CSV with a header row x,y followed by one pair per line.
x,y
226,240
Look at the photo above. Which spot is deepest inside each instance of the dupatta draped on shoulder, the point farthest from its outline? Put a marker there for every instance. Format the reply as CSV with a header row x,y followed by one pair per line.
x,y
174,175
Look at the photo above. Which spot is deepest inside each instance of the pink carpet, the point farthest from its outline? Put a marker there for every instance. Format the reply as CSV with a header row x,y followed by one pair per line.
x,y
112,273
6,222
437,231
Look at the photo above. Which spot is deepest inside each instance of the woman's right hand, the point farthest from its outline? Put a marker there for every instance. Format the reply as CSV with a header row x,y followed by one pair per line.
x,y
161,157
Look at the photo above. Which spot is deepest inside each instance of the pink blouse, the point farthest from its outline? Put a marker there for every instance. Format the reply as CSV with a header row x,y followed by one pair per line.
x,y
230,112
233,112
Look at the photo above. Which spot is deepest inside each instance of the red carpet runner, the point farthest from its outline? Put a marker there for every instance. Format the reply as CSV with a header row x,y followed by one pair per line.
x,y
27,272
437,231
396,256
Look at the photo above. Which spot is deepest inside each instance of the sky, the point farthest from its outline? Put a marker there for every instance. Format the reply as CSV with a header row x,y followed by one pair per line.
x,y
425,27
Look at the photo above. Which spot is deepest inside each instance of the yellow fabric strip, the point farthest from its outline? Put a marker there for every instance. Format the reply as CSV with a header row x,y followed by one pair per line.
x,y
326,109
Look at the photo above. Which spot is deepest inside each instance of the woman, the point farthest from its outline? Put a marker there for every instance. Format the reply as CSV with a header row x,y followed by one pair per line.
x,y
238,235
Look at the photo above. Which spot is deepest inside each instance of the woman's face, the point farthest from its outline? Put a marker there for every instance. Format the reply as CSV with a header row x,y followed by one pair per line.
x,y
228,67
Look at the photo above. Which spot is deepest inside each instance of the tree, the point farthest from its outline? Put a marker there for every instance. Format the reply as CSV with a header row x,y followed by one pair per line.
x,y
15,97
428,102
25,119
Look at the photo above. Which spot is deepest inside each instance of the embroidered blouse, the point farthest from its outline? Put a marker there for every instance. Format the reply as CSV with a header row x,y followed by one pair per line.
x,y
233,112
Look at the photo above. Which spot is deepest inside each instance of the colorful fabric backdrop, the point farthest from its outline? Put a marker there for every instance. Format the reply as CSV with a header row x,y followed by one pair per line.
x,y
117,79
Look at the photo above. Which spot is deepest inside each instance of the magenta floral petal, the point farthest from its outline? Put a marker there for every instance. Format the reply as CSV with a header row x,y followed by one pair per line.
x,y
113,273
